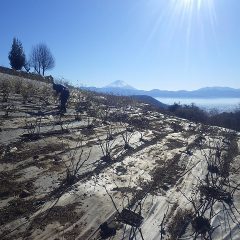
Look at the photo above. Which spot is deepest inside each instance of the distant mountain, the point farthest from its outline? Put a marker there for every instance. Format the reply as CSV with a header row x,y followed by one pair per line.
x,y
120,84
118,87
122,88
217,92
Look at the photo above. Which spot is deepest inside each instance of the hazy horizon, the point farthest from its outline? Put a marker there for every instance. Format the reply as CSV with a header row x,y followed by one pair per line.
x,y
155,44
103,86
208,104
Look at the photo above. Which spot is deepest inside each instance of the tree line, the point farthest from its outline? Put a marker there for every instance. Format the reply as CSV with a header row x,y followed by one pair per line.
x,y
40,58
193,113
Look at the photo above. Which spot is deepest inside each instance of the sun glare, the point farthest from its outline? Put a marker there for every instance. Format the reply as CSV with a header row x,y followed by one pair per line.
x,y
196,3
187,1
189,17
192,20
188,4
189,10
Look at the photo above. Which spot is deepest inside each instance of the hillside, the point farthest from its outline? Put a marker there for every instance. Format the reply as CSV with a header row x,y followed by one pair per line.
x,y
111,168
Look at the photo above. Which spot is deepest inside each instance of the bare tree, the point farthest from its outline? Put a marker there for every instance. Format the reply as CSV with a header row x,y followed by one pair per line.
x,y
41,58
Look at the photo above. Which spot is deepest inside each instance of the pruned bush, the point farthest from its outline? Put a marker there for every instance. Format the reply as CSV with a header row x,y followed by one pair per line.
x,y
106,144
104,113
75,163
179,223
127,135
18,84
28,91
140,123
33,128
6,88
45,94
7,109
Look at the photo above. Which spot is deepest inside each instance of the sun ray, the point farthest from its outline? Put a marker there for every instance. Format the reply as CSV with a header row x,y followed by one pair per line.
x,y
191,22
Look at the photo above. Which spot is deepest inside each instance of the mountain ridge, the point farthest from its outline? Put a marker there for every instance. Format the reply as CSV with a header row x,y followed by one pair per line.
x,y
205,92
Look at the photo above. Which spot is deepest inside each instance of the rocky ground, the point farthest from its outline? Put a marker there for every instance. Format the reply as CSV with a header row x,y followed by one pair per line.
x,y
111,168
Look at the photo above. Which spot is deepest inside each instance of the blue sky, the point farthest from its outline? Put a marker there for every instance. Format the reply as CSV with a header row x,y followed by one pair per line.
x,y
164,44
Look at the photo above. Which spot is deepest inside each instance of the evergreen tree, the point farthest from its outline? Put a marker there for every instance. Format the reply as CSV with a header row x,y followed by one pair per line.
x,y
16,55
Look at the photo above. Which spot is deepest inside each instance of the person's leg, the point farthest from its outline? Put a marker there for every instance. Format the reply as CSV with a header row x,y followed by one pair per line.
x,y
64,99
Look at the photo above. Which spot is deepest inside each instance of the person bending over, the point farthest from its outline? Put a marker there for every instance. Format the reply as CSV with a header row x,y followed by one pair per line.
x,y
63,95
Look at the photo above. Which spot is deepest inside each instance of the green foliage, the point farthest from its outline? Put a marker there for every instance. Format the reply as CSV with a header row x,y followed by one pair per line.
x,y
16,55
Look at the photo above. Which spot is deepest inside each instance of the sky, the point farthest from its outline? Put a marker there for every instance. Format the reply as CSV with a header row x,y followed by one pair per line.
x,y
150,44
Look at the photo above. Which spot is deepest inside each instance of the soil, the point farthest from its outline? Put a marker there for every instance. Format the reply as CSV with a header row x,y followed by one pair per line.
x,y
158,180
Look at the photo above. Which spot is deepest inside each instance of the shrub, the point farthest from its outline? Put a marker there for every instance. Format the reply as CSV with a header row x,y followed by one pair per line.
x,y
5,87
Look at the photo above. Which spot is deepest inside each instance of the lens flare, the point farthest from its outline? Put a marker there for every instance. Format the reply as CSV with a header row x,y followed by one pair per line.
x,y
187,22
200,10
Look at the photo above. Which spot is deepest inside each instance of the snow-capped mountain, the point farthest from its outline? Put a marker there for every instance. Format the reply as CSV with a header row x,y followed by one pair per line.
x,y
119,84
